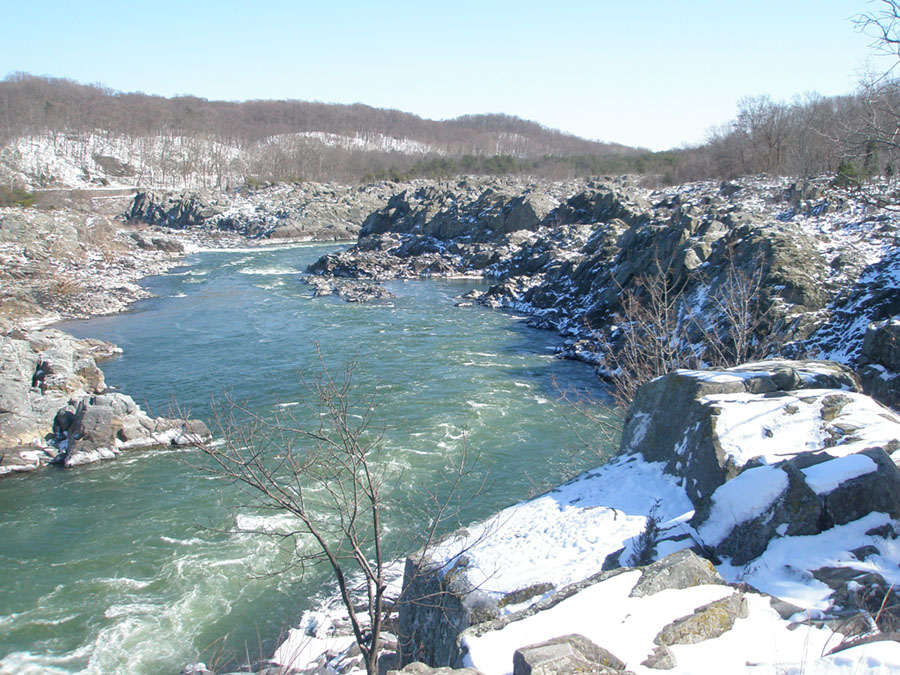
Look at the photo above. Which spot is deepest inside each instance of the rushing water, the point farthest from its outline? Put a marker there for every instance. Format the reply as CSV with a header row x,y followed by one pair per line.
x,y
132,566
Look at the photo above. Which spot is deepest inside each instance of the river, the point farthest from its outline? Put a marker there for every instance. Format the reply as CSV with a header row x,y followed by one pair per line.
x,y
132,566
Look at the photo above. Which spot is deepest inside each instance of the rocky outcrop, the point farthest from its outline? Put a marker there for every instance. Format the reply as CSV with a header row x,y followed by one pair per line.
x,y
779,476
761,406
879,361
693,449
174,211
67,263
468,210
301,211
755,266
350,290
151,243
53,406
101,427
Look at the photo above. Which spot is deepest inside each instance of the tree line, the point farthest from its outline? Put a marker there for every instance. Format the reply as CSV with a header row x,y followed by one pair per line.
x,y
180,138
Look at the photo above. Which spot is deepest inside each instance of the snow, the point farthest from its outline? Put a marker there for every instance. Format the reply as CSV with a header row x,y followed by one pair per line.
x,y
565,535
582,613
718,376
772,429
827,476
742,499
304,645
785,568
606,615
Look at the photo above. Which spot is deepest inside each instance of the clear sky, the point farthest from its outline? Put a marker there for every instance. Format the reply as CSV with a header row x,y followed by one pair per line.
x,y
654,73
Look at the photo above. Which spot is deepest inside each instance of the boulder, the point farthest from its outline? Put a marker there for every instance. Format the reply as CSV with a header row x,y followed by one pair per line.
x,y
707,622
688,437
683,569
853,486
661,658
565,655
879,361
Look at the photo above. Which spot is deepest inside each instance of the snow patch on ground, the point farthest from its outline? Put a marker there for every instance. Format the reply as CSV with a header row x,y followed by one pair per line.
x,y
565,535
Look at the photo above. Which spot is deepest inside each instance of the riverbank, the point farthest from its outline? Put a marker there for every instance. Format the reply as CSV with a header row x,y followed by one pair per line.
x,y
70,263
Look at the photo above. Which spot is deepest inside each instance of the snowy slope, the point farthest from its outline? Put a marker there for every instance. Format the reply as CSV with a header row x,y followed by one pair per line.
x,y
565,536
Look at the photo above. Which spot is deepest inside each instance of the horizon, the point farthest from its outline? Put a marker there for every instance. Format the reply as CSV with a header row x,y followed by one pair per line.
x,y
630,86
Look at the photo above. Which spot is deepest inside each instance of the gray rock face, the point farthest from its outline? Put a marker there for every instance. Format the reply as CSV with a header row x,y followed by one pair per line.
x,y
166,244
39,373
303,211
53,406
469,210
876,490
683,569
175,211
880,362
685,438
433,612
796,511
565,655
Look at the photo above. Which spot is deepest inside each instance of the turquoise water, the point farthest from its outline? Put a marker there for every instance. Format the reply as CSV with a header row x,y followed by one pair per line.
x,y
133,566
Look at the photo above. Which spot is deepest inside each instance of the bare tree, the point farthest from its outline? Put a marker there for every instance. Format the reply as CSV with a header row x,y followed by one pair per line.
x,y
657,330
872,134
648,336
883,26
331,480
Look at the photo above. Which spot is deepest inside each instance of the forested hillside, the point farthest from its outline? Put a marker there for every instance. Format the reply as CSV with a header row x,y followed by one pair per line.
x,y
59,133
191,142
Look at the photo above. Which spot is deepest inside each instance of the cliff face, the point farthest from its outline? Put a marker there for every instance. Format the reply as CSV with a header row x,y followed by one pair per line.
x,y
301,211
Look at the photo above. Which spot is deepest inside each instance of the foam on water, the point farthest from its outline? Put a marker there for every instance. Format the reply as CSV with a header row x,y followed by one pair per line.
x,y
269,271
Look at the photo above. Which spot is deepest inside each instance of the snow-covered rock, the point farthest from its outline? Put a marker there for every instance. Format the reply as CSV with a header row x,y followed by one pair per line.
x,y
879,361
799,512
816,263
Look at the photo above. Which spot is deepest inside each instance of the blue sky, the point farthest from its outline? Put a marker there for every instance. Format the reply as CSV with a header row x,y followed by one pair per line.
x,y
657,73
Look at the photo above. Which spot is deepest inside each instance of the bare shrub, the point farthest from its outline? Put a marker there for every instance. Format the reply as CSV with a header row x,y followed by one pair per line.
x,y
656,331
331,479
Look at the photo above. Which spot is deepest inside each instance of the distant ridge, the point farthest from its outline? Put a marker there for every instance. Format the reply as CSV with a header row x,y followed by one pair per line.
x,y
256,140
